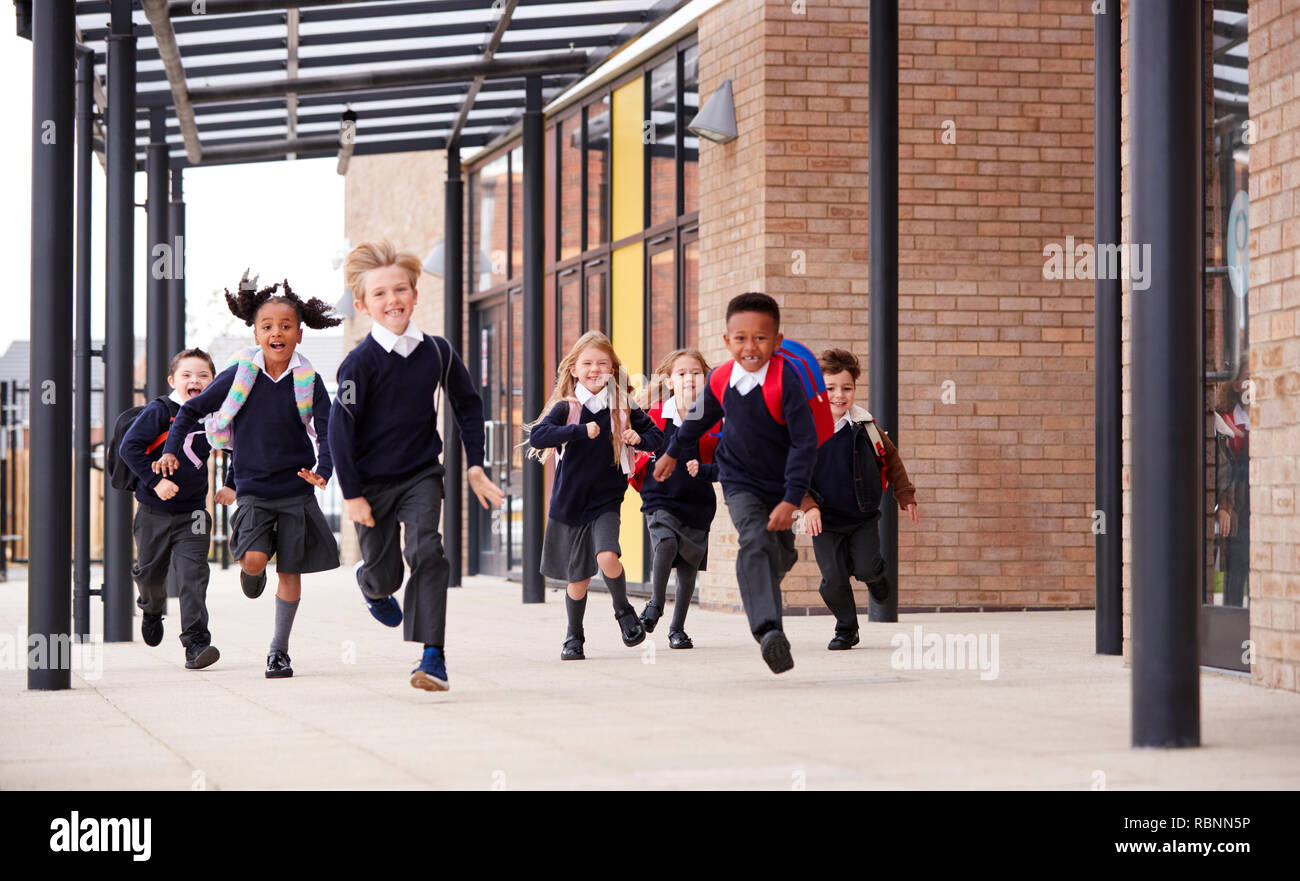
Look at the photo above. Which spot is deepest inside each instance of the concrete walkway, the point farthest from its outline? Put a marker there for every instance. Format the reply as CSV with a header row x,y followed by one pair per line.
x,y
1056,715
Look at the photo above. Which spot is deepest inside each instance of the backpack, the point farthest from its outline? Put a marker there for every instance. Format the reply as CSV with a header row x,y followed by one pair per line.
x,y
708,444
805,365
120,474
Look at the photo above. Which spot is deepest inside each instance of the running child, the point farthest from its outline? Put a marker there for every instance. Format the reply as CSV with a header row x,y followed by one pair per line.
x,y
764,466
269,406
680,510
593,423
842,509
385,443
172,526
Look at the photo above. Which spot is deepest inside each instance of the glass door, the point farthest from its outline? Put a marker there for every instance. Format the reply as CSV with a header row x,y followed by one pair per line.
x,y
493,534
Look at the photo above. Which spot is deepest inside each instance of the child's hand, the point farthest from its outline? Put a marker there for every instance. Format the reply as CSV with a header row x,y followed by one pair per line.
x,y
664,468
225,496
166,466
911,512
781,518
593,430
358,511
312,477
812,521
165,489
489,494
631,438
693,468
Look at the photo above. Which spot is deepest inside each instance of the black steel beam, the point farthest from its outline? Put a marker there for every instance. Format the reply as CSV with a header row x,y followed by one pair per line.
x,y
156,258
1167,373
374,148
534,586
453,295
119,311
176,289
882,207
1108,406
511,67
82,389
49,588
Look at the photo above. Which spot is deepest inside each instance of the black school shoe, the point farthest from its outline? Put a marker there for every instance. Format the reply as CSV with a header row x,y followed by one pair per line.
x,y
253,585
572,650
199,656
842,642
776,651
650,616
677,639
630,624
277,665
151,629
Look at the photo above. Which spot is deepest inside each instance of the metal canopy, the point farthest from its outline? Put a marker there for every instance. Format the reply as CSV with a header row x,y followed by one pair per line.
x,y
241,58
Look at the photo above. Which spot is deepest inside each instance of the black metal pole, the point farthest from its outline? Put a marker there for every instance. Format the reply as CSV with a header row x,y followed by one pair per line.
x,y
1108,408
176,287
882,198
82,391
158,352
119,310
49,588
534,331
4,477
1167,382
453,317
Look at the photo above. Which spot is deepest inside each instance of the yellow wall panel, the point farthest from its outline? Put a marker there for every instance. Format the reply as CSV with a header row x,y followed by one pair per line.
x,y
628,160
628,314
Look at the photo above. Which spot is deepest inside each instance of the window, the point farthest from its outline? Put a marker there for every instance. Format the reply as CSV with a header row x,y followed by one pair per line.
x,y
691,288
661,301
493,215
662,115
597,155
517,212
690,143
571,208
570,311
597,285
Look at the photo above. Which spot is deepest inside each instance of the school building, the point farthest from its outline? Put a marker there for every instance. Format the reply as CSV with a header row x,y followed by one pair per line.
x,y
650,229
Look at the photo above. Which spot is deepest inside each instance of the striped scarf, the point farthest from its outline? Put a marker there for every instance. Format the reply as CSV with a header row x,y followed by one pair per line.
x,y
304,384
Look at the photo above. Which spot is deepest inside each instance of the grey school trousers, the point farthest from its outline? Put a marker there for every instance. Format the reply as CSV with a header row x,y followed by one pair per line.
x,y
416,503
762,560
175,543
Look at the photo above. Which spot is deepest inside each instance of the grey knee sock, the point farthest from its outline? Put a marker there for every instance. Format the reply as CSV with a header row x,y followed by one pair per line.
x,y
682,602
618,591
284,612
665,553
575,610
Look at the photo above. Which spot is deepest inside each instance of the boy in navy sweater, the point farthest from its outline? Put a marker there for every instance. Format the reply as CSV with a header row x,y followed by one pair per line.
x,y
384,434
764,467
172,527
842,509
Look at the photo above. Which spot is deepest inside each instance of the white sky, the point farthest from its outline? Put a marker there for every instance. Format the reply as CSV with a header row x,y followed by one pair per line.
x,y
284,219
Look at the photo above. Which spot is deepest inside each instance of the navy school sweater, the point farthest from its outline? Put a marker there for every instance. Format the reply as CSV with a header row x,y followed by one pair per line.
x,y
588,482
756,455
689,499
384,428
268,438
191,480
833,479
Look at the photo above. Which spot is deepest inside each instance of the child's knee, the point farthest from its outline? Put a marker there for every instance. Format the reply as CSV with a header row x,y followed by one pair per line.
x,y
578,589
609,564
253,562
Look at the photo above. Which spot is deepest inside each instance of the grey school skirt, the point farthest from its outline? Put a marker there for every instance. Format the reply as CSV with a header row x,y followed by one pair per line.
x,y
692,543
292,530
569,552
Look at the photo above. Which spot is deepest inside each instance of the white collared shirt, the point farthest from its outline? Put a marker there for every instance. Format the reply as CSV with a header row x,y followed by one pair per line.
x,y
404,344
743,381
670,412
595,402
843,421
177,397
259,360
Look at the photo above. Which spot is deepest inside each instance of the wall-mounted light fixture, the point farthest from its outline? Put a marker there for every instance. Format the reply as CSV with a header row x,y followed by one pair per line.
x,y
717,118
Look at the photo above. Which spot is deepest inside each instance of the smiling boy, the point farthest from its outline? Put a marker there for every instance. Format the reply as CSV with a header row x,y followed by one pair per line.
x,y
764,466
384,436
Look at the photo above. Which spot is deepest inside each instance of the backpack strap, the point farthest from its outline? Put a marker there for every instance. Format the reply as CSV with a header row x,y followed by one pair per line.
x,y
719,378
878,444
162,438
575,414
772,387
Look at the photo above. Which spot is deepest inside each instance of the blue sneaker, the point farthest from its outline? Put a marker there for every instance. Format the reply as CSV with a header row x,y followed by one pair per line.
x,y
386,611
431,674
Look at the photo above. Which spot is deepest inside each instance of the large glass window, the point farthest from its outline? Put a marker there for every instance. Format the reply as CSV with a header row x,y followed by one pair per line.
x,y
597,297
597,155
662,116
570,310
517,212
691,288
491,228
571,208
690,143
661,300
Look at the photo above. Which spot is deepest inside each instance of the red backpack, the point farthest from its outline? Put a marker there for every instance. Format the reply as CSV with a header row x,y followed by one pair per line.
x,y
805,367
708,444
